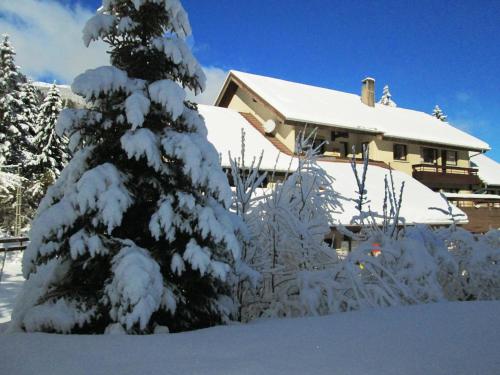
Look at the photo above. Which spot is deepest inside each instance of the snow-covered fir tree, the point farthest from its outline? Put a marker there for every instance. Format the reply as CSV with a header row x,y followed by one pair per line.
x,y
438,113
386,98
10,78
135,235
31,99
51,149
15,128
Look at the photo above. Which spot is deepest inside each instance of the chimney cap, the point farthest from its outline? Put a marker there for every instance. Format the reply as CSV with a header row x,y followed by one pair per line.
x,y
368,79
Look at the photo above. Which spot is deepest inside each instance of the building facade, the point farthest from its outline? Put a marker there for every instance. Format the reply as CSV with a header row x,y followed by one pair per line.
x,y
418,144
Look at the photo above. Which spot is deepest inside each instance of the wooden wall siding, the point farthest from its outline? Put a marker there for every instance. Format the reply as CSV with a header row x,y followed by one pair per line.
x,y
482,219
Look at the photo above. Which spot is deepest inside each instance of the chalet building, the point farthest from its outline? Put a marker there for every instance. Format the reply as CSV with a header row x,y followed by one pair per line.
x,y
420,205
415,143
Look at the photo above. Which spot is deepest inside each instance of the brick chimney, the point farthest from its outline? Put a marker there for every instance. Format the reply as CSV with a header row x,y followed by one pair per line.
x,y
368,91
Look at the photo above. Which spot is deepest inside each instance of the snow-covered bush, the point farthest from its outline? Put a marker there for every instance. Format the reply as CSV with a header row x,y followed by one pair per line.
x,y
291,221
477,259
135,235
389,266
247,180
387,271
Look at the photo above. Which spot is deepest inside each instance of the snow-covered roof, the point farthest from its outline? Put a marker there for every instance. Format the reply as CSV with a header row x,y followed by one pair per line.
x,y
224,132
321,106
489,169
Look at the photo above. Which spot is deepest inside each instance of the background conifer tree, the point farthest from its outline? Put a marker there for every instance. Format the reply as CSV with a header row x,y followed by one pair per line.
x,y
386,98
15,129
31,99
135,235
438,113
51,149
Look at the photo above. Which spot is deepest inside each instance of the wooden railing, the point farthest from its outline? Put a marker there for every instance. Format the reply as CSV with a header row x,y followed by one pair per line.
x,y
439,176
436,168
18,244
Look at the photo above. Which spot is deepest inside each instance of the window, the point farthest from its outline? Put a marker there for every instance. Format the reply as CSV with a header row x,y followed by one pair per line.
x,y
451,157
345,149
318,142
400,152
429,155
334,135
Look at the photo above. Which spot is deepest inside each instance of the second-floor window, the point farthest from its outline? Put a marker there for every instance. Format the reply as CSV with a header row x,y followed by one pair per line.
x,y
318,142
400,152
429,155
345,149
451,157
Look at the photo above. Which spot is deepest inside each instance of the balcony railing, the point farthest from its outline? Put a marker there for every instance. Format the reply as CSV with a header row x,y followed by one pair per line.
x,y
445,176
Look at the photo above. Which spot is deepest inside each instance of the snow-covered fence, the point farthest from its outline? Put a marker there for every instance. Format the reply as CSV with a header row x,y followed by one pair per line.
x,y
13,244
11,199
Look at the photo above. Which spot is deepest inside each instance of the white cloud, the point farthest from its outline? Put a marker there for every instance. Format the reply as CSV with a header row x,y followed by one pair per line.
x,y
47,36
215,80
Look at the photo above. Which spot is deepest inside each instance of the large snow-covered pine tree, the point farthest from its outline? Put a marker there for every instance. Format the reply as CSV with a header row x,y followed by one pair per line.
x,y
51,149
135,235
438,113
15,128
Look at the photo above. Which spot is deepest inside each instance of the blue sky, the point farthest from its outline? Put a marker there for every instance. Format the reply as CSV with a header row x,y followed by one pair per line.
x,y
429,52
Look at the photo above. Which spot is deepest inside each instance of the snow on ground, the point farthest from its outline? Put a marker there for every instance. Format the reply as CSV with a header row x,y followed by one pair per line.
x,y
10,284
445,338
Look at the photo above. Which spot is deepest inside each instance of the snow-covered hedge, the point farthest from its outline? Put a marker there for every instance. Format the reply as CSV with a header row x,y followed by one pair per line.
x,y
391,265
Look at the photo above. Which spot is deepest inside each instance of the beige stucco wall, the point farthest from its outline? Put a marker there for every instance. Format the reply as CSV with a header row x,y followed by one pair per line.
x,y
382,150
242,101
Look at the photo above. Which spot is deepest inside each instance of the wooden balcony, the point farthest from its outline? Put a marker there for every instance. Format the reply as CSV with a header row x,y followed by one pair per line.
x,y
438,176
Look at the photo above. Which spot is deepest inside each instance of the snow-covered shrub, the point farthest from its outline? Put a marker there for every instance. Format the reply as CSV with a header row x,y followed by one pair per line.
x,y
387,268
447,267
291,222
247,179
387,271
135,235
478,261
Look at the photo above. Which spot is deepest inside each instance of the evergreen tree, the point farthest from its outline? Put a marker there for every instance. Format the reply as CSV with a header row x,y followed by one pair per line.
x,y
51,149
438,113
135,235
15,128
31,99
386,98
